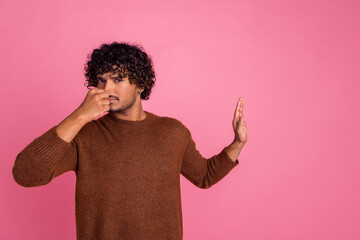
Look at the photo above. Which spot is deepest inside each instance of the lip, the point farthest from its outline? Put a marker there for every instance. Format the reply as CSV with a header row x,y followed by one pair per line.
x,y
112,96
111,100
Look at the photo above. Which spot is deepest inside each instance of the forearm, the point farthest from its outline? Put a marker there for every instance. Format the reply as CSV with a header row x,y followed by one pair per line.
x,y
39,161
70,126
234,149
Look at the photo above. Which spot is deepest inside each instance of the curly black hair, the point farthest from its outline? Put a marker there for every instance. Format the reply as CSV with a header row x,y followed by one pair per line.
x,y
130,60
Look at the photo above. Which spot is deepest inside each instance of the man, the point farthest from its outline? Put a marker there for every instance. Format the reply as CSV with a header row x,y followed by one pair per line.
x,y
127,162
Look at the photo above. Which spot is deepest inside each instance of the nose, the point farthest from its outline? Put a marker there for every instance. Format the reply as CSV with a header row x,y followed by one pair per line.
x,y
108,85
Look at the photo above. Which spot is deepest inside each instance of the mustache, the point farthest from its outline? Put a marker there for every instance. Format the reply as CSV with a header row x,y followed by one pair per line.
x,y
112,96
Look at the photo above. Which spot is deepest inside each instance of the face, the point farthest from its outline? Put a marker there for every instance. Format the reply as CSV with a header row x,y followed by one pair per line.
x,y
123,94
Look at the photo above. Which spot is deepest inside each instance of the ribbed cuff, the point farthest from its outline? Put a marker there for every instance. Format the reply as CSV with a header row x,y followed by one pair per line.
x,y
49,147
225,161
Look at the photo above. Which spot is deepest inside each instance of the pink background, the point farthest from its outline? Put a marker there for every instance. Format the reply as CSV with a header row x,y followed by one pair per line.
x,y
295,63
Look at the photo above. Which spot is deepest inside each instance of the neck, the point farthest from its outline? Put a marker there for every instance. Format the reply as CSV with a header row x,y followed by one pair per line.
x,y
130,115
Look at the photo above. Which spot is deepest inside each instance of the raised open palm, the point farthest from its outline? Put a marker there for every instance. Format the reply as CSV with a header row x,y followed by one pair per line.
x,y
239,124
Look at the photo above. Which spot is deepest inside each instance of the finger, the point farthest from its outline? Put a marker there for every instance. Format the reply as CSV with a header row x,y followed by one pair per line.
x,y
241,111
107,108
237,110
241,107
105,101
98,90
104,95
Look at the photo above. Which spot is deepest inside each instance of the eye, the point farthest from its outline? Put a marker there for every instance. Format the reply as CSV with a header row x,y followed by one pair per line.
x,y
100,80
118,79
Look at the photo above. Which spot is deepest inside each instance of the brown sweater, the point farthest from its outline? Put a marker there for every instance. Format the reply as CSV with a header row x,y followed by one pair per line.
x,y
127,174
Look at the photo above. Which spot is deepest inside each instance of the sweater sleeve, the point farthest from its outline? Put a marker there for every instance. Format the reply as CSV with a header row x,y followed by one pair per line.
x,y
205,172
45,158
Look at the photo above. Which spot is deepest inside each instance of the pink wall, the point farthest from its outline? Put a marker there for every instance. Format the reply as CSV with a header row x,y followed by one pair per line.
x,y
295,63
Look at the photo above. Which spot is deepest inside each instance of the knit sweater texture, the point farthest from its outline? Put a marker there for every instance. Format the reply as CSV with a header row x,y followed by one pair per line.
x,y
127,174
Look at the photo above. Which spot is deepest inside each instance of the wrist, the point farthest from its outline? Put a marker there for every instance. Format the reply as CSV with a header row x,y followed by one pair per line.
x,y
80,117
237,143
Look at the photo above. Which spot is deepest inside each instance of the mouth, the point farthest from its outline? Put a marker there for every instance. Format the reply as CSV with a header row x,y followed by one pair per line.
x,y
112,99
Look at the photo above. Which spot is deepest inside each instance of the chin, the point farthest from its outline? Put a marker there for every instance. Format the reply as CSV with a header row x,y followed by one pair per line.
x,y
114,109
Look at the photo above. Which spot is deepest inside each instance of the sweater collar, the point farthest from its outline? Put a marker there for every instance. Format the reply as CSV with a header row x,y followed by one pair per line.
x,y
130,123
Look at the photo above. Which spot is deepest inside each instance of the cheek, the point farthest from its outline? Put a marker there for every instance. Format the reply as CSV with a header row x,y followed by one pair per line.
x,y
127,92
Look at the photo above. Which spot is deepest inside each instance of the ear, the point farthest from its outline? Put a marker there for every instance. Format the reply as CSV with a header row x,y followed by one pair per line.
x,y
140,89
